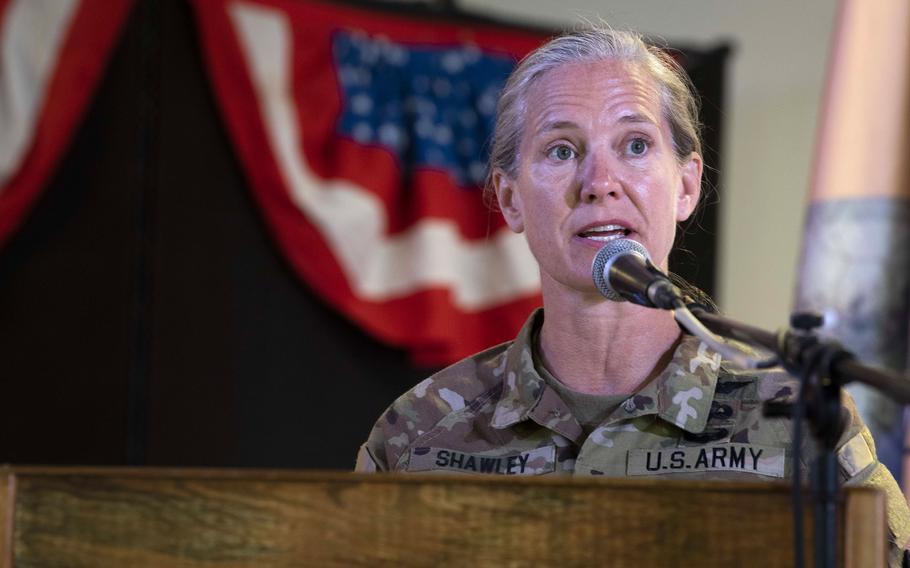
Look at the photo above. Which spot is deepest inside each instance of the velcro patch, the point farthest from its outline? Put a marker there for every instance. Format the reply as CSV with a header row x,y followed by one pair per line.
x,y
745,458
533,462
855,455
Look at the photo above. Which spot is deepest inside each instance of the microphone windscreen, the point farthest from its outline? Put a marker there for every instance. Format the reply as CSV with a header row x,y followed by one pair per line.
x,y
600,269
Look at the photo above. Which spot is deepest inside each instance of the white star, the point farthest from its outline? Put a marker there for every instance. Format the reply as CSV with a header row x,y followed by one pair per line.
x,y
453,62
395,54
362,132
477,170
471,54
369,52
361,104
424,128
391,135
486,104
425,107
443,135
349,75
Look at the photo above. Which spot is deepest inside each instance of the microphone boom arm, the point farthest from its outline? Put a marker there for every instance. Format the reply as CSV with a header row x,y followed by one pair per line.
x,y
787,345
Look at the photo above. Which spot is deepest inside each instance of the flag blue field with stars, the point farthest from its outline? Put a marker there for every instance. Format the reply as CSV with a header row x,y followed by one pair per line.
x,y
431,106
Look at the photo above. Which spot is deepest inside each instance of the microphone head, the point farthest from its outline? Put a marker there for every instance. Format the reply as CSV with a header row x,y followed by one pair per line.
x,y
600,269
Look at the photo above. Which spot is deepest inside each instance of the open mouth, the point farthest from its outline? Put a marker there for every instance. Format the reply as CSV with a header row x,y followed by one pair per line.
x,y
605,233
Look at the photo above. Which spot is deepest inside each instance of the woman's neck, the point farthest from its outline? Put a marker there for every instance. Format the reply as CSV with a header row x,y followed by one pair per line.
x,y
603,347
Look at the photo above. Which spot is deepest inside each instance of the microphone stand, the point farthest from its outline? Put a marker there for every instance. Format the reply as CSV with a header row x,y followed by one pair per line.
x,y
823,367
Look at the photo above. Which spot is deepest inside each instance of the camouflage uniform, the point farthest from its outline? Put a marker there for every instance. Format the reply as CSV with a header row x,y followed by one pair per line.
x,y
699,419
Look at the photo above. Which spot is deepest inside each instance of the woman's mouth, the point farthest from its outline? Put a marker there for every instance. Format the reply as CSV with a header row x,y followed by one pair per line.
x,y
605,233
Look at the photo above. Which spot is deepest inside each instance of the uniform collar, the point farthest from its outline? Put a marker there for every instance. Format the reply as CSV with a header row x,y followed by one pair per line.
x,y
681,394
525,393
522,386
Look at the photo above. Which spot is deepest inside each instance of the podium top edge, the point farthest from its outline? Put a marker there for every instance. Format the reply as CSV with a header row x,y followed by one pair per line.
x,y
24,472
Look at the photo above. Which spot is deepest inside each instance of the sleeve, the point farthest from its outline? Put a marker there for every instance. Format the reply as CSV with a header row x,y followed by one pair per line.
x,y
414,414
860,467
365,461
390,436
373,457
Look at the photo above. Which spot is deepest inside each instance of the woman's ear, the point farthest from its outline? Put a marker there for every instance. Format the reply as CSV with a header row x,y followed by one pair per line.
x,y
509,201
690,188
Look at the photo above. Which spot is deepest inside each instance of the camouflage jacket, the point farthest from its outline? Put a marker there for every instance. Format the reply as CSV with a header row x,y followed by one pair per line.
x,y
699,419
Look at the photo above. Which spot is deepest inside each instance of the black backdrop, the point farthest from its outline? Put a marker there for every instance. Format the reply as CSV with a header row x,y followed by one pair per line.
x,y
146,317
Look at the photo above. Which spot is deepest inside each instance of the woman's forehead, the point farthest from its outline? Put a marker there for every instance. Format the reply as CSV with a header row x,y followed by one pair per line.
x,y
622,90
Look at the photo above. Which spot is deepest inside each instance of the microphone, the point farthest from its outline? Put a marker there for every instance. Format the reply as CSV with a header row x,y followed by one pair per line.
x,y
622,271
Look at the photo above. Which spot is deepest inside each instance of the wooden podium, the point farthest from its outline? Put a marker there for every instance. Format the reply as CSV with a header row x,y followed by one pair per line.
x,y
230,518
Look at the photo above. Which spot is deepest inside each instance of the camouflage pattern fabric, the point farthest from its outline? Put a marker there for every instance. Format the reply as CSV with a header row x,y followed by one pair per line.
x,y
699,419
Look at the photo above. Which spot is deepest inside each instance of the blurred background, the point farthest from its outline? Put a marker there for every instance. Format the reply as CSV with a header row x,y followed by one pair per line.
x,y
232,232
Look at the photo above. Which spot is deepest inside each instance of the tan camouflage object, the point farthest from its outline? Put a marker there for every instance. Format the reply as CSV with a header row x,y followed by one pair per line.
x,y
700,419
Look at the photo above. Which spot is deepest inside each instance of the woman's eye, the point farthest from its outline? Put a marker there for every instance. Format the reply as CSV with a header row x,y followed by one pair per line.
x,y
561,153
637,147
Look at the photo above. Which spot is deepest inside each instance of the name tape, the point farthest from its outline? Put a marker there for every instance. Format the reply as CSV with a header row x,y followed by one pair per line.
x,y
747,458
532,462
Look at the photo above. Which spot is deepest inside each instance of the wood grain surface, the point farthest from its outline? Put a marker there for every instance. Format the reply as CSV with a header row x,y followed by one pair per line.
x,y
182,518
7,500
865,517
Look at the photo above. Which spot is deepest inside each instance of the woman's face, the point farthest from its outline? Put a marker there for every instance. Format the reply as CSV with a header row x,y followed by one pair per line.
x,y
595,163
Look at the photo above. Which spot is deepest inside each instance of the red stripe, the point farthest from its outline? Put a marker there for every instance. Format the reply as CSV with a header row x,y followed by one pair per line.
x,y
426,322
82,58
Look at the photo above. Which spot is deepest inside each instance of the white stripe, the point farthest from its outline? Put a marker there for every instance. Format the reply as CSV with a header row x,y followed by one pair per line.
x,y
30,39
378,266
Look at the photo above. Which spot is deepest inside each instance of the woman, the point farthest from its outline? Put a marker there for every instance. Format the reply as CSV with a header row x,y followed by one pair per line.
x,y
597,139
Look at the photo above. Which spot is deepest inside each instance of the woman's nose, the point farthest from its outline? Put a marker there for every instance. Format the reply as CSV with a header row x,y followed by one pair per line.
x,y
598,180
